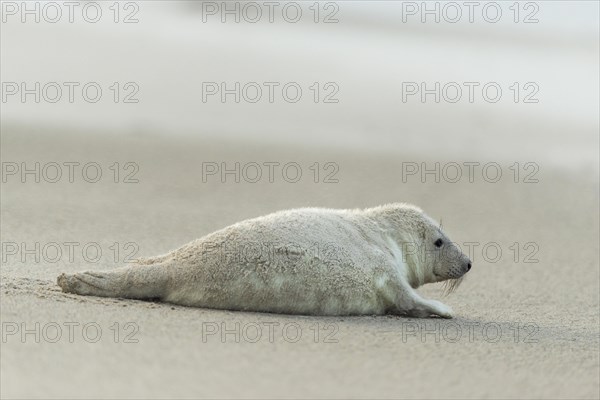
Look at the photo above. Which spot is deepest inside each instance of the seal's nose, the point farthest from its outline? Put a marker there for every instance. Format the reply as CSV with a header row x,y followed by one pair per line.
x,y
467,266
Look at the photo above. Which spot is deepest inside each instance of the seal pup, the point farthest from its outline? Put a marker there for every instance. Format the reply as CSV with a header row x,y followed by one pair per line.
x,y
311,261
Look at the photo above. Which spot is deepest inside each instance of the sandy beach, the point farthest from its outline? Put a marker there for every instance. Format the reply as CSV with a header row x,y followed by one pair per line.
x,y
552,303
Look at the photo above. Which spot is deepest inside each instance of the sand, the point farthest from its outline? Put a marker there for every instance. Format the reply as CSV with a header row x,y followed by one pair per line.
x,y
154,350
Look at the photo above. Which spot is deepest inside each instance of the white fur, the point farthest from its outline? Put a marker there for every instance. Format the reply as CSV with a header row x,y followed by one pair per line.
x,y
315,261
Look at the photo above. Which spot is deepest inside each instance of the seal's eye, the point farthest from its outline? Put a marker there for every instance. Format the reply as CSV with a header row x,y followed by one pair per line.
x,y
439,243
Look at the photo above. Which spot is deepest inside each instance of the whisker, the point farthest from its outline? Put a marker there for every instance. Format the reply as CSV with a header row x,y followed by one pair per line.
x,y
451,285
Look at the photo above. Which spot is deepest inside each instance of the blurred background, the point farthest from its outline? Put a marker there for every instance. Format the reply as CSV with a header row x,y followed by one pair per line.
x,y
366,49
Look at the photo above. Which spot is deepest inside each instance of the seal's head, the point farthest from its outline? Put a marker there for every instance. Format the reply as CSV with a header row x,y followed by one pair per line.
x,y
441,259
429,254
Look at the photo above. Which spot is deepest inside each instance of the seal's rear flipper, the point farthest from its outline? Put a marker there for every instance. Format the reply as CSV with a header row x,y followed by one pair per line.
x,y
150,260
134,282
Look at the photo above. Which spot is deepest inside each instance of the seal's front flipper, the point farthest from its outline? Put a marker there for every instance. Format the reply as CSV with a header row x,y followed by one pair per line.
x,y
135,282
425,308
